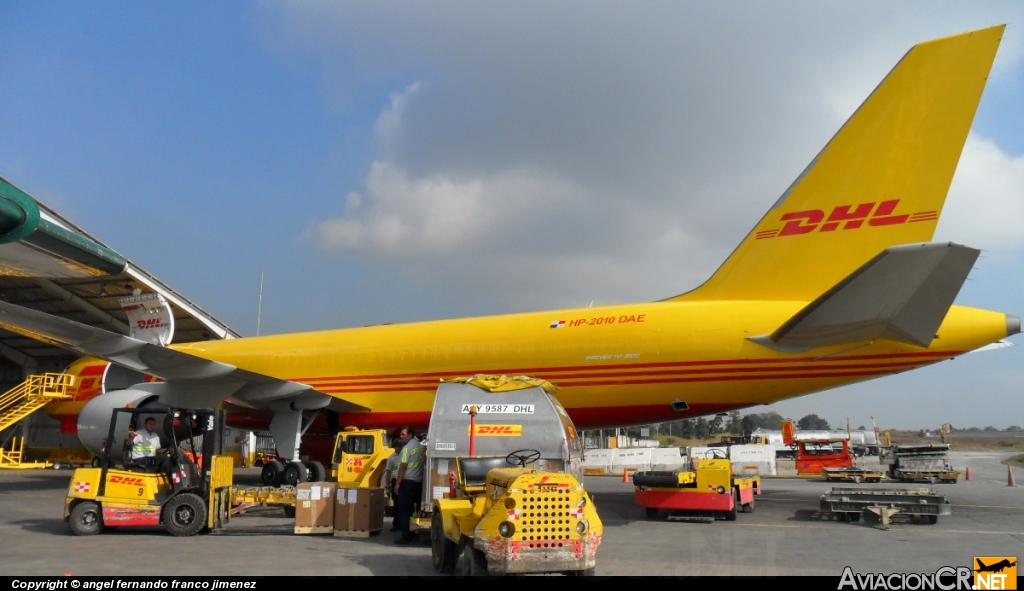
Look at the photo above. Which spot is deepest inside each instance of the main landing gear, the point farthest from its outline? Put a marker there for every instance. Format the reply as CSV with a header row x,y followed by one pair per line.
x,y
276,473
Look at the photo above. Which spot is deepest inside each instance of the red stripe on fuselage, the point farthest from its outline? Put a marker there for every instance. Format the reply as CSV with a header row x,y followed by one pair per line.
x,y
630,366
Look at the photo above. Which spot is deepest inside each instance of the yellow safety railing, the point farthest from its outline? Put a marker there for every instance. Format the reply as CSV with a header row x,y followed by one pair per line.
x,y
13,457
31,395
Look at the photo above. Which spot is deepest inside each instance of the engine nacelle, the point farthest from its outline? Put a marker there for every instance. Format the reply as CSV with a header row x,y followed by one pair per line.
x,y
94,419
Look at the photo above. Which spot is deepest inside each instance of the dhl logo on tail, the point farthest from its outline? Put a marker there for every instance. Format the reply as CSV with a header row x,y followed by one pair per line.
x,y
847,216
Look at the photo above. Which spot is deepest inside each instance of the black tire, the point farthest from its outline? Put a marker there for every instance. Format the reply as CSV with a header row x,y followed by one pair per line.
x,y
474,563
749,507
185,515
317,472
96,463
289,511
272,473
86,519
854,517
651,513
932,519
730,515
443,552
590,572
295,473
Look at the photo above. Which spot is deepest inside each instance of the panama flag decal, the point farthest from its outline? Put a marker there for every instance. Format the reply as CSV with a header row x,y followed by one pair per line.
x,y
557,323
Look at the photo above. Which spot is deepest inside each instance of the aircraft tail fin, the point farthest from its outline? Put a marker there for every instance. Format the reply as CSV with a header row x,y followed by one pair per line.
x,y
881,181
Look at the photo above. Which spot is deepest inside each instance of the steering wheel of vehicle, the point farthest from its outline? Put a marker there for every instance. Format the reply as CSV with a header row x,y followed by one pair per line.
x,y
716,453
523,457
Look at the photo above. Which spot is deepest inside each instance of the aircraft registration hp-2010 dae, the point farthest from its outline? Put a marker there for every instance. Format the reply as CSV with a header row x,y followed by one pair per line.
x,y
838,283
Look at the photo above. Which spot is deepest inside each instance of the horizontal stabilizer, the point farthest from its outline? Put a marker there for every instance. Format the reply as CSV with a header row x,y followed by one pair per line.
x,y
902,295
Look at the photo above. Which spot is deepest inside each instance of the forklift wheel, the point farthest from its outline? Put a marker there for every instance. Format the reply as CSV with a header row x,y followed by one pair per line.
x,y
86,519
185,515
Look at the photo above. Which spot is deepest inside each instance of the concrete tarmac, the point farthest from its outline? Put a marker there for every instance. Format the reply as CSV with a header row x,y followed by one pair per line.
x,y
786,535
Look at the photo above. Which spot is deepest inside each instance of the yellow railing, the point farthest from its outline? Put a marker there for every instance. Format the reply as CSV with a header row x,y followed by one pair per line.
x,y
13,457
31,395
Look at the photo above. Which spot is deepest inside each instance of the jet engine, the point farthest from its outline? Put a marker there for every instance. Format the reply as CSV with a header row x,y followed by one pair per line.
x,y
94,419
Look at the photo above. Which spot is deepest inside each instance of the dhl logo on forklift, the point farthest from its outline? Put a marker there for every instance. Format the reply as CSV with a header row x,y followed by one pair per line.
x,y
847,216
130,481
499,430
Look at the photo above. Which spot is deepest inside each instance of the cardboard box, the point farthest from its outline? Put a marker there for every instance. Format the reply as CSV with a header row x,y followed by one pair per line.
x,y
314,507
358,511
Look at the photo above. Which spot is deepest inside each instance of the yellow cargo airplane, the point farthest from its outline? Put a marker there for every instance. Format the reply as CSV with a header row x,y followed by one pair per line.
x,y
838,283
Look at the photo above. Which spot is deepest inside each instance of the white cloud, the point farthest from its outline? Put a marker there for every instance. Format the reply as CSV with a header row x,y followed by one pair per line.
x,y
388,127
985,206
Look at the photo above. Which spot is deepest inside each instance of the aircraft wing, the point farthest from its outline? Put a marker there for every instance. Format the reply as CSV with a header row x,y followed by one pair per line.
x,y
193,373
902,294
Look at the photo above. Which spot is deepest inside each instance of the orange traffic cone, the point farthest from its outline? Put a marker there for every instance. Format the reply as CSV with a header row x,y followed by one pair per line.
x,y
1009,477
967,474
625,475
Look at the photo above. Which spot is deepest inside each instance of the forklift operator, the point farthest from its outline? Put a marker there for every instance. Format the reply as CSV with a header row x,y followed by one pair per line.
x,y
146,450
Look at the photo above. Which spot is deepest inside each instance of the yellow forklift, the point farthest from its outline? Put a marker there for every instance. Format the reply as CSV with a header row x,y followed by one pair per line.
x,y
506,513
194,496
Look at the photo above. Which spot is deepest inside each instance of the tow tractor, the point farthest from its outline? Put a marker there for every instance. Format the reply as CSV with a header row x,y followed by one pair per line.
x,y
502,488
359,460
194,497
704,492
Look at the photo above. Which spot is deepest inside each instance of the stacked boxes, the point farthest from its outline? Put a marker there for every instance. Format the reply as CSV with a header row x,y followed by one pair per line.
x,y
314,507
358,512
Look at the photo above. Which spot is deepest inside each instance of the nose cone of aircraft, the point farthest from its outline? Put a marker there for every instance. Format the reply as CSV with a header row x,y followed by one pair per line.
x,y
1012,324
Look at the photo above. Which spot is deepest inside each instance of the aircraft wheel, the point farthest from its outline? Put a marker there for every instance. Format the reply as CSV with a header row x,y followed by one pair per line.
x,y
272,473
86,519
295,473
185,515
443,552
317,472
474,563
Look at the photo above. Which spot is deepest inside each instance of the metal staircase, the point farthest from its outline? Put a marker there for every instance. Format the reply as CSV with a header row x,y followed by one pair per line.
x,y
31,395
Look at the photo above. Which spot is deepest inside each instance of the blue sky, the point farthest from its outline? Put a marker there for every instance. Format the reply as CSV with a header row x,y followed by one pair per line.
x,y
389,162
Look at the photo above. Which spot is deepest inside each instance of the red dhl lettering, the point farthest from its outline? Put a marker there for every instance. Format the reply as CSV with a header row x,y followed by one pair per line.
x,y
115,479
499,430
148,323
845,217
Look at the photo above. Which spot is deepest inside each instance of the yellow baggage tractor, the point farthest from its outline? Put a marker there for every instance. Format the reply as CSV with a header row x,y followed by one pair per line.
x,y
505,487
706,492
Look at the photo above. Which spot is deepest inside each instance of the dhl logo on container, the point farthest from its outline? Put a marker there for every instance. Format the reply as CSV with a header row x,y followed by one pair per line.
x,y
847,216
498,430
